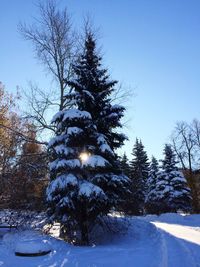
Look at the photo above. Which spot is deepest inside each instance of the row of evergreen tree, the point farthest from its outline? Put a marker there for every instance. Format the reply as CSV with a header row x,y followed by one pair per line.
x,y
155,188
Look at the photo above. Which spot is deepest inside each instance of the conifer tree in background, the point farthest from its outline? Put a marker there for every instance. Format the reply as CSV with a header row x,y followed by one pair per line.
x,y
139,168
86,181
124,163
125,167
172,190
180,198
150,201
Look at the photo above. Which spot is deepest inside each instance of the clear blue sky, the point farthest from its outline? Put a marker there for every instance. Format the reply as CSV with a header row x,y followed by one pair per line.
x,y
153,46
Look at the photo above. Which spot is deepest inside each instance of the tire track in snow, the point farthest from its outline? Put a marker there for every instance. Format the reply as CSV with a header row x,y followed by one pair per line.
x,y
164,261
176,252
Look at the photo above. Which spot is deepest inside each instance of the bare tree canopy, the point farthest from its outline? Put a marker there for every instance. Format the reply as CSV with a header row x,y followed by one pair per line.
x,y
54,43
186,143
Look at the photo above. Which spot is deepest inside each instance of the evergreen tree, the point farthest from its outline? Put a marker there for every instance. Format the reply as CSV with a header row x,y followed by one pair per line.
x,y
150,201
169,162
172,191
139,168
124,164
86,181
179,197
93,92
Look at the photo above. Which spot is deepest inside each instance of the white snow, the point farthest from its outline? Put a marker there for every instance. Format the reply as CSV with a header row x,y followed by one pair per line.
x,y
106,148
62,163
180,232
101,139
57,116
168,240
113,116
95,161
65,201
61,149
74,130
57,139
71,114
116,106
87,189
61,182
88,94
118,179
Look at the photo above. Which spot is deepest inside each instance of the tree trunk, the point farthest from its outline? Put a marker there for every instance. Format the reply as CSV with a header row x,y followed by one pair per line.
x,y
84,234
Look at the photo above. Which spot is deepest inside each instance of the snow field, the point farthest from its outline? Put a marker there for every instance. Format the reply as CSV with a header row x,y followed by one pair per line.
x,y
180,238
151,241
111,250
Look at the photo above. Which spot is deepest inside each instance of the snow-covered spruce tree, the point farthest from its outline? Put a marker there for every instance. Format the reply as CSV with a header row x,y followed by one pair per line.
x,y
172,190
151,198
86,181
139,168
179,197
93,92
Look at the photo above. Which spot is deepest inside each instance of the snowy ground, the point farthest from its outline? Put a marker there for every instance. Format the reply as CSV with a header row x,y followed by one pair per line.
x,y
170,240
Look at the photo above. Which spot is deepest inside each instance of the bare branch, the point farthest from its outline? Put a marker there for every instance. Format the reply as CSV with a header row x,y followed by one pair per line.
x,y
24,137
183,142
54,42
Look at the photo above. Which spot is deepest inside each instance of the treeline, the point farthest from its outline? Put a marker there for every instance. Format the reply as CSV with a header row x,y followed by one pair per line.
x,y
159,186
24,172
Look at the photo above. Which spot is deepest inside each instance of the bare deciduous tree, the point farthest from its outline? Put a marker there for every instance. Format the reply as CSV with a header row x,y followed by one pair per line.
x,y
183,142
55,46
196,132
40,104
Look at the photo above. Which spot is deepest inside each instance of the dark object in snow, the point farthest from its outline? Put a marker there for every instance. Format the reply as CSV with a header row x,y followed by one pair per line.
x,y
32,248
32,254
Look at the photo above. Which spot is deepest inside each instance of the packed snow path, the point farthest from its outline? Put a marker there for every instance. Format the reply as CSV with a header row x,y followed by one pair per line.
x,y
179,231
177,251
170,240
180,239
